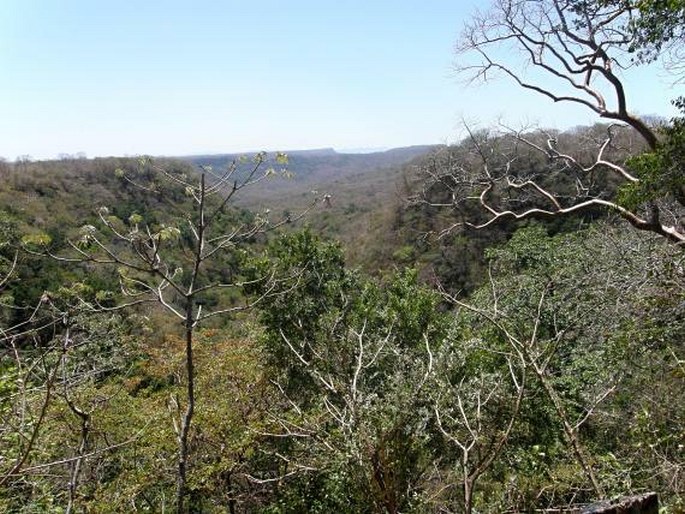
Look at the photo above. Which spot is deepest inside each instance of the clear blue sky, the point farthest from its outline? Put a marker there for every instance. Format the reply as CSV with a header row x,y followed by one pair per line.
x,y
109,77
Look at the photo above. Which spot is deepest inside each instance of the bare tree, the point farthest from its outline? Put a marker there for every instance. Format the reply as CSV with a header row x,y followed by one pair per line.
x,y
47,359
25,404
91,349
147,258
477,416
28,384
537,356
352,402
515,175
571,52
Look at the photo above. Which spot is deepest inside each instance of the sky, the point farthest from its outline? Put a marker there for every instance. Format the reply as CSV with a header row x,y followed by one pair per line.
x,y
124,77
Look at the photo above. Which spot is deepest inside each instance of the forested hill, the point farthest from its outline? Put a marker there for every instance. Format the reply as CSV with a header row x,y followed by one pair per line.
x,y
554,348
312,166
319,169
491,327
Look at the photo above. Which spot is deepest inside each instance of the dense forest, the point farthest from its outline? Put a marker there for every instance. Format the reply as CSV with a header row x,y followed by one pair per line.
x,y
492,326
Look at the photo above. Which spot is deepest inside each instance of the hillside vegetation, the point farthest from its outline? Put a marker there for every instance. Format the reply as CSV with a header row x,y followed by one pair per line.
x,y
494,326
361,191
594,294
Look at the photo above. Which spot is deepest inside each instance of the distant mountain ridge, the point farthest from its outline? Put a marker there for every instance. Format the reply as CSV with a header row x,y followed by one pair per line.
x,y
345,176
199,158
363,189
324,157
319,168
323,151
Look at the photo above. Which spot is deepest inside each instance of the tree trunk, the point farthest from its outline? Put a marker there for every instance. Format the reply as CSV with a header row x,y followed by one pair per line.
x,y
569,431
468,494
188,415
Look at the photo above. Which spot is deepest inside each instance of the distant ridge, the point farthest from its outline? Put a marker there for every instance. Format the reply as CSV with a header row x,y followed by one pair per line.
x,y
363,150
315,152
325,169
324,164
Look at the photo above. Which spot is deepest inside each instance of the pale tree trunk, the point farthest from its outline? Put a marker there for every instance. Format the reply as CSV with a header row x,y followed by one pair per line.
x,y
190,322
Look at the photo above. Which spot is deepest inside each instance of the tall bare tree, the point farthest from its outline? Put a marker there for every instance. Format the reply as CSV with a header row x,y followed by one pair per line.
x,y
168,263
566,51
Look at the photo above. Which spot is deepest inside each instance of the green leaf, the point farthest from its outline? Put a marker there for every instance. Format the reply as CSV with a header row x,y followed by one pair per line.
x,y
282,158
39,239
169,234
135,219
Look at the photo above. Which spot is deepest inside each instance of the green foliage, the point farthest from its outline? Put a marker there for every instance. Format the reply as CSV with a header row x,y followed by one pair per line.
x,y
312,290
661,172
329,490
127,395
339,343
609,318
653,27
8,256
659,24
325,399
37,240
